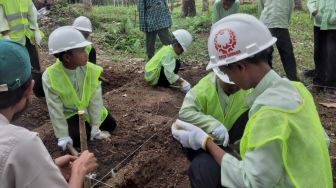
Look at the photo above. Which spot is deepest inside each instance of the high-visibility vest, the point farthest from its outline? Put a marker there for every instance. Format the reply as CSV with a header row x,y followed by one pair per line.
x,y
304,150
62,86
153,66
206,96
16,13
88,49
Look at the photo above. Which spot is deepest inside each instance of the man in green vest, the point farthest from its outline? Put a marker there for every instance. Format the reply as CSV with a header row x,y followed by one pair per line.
x,y
224,8
284,143
162,68
217,106
83,24
18,22
71,85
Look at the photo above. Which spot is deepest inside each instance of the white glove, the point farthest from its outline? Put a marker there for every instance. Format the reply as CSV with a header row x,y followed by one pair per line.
x,y
189,135
62,142
96,133
38,37
185,86
6,37
221,133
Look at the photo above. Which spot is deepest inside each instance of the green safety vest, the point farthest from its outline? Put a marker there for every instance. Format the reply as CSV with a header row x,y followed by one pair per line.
x,y
153,67
62,86
16,13
304,150
206,95
88,49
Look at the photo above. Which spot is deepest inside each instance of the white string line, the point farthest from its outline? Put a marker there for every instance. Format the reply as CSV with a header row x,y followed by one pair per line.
x,y
91,178
130,155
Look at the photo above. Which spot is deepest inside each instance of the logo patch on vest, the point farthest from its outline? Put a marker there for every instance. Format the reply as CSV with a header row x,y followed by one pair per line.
x,y
225,43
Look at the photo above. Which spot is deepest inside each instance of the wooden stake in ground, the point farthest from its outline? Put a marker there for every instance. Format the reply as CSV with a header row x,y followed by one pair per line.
x,y
83,140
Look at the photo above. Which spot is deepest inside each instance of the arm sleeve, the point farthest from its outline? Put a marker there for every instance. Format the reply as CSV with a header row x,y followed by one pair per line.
x,y
55,108
32,17
190,112
96,103
3,21
32,166
311,4
168,63
215,14
262,167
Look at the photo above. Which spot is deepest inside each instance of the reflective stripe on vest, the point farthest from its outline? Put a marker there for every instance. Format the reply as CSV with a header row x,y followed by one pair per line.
x,y
303,147
16,13
153,66
63,87
208,99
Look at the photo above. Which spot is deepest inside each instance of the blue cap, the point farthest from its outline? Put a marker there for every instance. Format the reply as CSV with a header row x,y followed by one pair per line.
x,y
15,68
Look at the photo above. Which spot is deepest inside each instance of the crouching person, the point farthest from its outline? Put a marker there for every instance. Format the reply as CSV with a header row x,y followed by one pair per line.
x,y
24,160
71,85
162,69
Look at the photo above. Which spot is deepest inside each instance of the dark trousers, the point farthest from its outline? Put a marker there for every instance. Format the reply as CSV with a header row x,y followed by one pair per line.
x,y
36,72
109,124
93,55
325,57
151,38
163,80
285,48
204,172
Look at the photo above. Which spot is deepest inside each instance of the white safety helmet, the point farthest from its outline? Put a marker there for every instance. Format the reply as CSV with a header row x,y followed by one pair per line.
x,y
222,76
183,37
83,23
237,37
66,38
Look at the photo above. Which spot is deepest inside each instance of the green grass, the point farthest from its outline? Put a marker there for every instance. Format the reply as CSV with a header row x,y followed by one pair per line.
x,y
117,29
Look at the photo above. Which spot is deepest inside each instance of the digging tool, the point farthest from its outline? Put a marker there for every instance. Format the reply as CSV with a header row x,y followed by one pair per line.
x,y
83,140
104,79
72,150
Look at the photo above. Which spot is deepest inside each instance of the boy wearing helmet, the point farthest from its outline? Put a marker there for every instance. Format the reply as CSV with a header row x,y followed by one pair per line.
x,y
83,24
283,136
217,106
224,8
163,67
25,162
72,85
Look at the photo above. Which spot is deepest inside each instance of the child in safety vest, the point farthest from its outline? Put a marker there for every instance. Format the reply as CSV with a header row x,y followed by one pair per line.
x,y
83,24
163,67
71,85
217,106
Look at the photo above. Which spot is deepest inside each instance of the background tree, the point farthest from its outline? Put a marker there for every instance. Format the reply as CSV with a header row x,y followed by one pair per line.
x,y
298,4
87,4
205,5
188,8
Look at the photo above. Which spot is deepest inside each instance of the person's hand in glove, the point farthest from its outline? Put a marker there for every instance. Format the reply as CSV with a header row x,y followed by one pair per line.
x,y
38,37
185,86
221,133
62,142
96,133
189,135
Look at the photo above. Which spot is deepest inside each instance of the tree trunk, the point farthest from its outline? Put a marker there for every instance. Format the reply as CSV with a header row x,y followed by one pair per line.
x,y
298,4
205,6
87,5
188,8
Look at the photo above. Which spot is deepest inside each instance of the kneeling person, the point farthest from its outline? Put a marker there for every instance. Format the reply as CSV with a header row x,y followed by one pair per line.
x,y
72,85
217,106
162,69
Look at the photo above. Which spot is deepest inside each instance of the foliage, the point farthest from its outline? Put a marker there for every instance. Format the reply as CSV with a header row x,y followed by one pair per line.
x,y
117,28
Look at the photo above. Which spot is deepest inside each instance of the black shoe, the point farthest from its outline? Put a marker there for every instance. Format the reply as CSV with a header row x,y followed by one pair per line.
x,y
309,73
